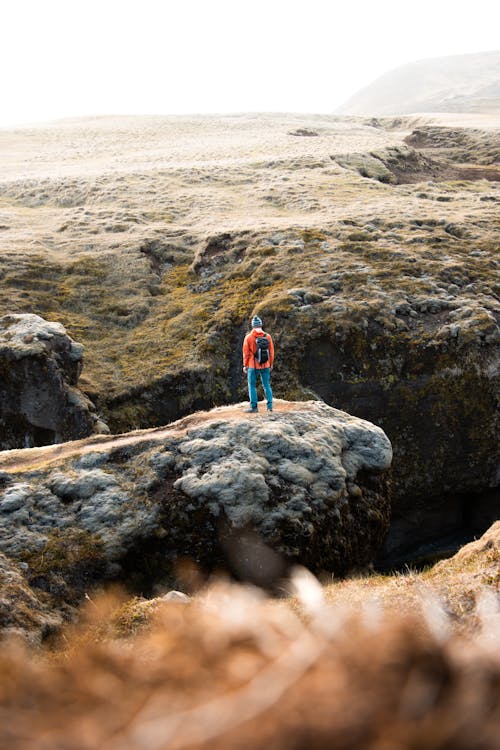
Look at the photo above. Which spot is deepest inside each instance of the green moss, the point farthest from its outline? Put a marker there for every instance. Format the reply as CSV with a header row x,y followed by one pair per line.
x,y
275,305
132,414
86,267
65,551
361,237
312,235
133,616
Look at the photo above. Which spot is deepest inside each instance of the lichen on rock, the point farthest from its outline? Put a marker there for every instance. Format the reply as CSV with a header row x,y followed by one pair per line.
x,y
291,480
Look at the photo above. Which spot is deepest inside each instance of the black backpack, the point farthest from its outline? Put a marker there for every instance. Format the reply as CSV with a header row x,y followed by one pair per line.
x,y
262,349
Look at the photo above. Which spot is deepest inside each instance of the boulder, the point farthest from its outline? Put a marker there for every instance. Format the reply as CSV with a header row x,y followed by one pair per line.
x,y
309,483
39,369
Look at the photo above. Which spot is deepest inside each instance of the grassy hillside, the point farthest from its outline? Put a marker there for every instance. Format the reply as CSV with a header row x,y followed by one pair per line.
x,y
102,232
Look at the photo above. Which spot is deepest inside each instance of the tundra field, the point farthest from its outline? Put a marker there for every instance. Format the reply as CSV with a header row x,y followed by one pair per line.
x,y
119,228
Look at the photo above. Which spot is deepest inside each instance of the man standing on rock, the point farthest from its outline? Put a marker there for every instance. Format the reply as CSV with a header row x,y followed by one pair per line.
x,y
258,357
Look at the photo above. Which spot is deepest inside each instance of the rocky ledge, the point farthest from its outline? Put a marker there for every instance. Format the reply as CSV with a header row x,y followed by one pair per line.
x,y
39,369
306,484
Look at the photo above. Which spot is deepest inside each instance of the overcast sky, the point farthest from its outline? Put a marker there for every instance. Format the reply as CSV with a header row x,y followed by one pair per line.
x,y
65,58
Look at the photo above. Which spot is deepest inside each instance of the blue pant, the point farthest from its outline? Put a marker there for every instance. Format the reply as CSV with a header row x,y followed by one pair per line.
x,y
265,376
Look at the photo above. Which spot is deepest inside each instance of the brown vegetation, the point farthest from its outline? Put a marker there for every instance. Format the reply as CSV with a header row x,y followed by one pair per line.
x,y
230,669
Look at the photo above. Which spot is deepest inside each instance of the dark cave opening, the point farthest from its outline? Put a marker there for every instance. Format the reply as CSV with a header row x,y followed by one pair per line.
x,y
442,526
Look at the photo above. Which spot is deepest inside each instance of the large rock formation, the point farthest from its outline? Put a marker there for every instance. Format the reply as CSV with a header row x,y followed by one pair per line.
x,y
397,324
309,482
418,356
39,369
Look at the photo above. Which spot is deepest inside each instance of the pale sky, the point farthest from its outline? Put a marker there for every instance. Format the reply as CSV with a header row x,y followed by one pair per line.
x,y
68,58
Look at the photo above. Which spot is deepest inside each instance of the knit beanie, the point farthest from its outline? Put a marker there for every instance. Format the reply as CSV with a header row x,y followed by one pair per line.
x,y
256,322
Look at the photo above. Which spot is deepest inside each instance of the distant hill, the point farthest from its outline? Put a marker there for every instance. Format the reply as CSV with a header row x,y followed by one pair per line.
x,y
459,83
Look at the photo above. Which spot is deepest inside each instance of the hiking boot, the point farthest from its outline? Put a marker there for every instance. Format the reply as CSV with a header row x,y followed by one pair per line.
x,y
252,410
269,408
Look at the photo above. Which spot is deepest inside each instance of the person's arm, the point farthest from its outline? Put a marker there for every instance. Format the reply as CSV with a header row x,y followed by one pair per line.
x,y
246,354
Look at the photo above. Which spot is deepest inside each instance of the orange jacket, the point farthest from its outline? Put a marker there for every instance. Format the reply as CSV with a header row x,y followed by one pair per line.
x,y
250,350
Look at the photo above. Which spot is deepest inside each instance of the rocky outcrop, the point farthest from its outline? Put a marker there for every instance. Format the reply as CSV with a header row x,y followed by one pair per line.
x,y
395,321
419,356
440,416
39,369
396,165
309,484
440,154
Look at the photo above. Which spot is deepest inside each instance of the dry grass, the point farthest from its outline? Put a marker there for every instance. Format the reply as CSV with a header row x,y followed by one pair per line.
x,y
232,669
370,662
457,584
